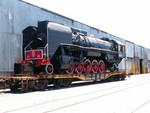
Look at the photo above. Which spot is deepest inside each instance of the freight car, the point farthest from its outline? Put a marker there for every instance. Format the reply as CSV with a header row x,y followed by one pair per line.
x,y
55,48
57,54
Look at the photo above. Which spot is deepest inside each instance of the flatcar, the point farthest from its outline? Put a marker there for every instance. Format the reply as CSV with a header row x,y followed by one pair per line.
x,y
54,48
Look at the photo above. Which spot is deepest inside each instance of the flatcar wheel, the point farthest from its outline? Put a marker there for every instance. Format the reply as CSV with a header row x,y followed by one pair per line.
x,y
87,66
110,79
95,66
79,68
101,66
70,70
31,86
123,77
42,84
66,82
49,68
58,83
13,88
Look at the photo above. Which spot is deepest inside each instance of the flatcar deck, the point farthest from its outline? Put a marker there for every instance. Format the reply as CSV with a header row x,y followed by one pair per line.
x,y
30,81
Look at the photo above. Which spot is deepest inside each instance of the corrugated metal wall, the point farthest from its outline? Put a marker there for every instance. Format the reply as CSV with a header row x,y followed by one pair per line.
x,y
129,63
129,49
10,50
137,58
16,15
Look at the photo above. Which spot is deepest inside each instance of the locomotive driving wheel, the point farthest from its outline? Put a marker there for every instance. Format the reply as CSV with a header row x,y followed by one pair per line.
x,y
95,66
101,66
79,68
70,70
87,66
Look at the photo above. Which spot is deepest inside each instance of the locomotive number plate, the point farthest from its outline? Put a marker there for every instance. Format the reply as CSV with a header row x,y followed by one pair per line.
x,y
33,54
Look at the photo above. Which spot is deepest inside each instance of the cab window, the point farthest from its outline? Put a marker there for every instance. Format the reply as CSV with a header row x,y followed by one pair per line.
x,y
121,48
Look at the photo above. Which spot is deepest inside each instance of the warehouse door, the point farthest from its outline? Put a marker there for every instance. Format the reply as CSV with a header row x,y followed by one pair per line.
x,y
141,60
137,65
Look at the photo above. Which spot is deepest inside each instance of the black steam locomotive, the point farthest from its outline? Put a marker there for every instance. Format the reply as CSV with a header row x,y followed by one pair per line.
x,y
55,48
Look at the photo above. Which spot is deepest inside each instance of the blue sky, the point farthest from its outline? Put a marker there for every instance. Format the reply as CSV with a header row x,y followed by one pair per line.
x,y
127,19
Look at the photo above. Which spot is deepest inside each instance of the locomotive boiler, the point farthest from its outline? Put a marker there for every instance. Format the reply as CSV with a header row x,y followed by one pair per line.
x,y
56,48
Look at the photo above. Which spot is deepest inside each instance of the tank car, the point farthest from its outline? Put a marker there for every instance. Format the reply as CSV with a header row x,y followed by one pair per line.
x,y
56,48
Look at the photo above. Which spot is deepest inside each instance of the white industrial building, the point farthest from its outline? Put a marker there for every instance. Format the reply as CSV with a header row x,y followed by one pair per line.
x,y
15,15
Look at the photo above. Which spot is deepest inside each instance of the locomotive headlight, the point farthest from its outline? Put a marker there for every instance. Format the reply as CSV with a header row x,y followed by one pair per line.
x,y
39,38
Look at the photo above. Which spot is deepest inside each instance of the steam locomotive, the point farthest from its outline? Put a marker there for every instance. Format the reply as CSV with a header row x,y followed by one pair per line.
x,y
56,48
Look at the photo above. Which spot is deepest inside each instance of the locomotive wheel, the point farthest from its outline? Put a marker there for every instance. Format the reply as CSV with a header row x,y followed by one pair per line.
x,y
101,66
95,66
70,70
87,66
49,68
79,68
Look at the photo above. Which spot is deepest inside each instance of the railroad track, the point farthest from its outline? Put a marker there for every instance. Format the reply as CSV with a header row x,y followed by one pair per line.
x,y
66,102
141,106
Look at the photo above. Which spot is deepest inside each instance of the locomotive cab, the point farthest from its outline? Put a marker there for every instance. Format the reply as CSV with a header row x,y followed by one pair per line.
x,y
41,45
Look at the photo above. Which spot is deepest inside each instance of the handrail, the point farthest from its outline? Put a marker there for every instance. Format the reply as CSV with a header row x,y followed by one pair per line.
x,y
44,48
28,45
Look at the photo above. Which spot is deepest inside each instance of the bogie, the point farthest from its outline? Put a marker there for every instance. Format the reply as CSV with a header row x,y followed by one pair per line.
x,y
58,83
